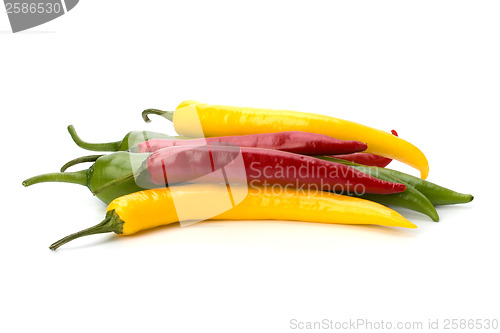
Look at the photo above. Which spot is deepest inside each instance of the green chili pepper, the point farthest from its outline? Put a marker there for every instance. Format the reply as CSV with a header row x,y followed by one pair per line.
x,y
420,195
107,168
438,195
130,140
411,198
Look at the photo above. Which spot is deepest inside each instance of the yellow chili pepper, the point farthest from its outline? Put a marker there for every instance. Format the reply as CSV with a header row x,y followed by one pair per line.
x,y
147,209
219,120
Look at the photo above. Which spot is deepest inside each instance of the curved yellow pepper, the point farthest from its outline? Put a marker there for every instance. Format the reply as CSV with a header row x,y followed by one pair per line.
x,y
153,208
219,120
147,209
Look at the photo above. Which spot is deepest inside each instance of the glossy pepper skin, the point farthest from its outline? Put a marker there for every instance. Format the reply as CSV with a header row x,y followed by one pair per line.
x,y
112,175
219,120
291,141
411,198
153,208
367,159
420,195
106,169
180,164
130,139
437,194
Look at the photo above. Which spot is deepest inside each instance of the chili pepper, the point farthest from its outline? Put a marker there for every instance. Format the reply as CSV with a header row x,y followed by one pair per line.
x,y
438,195
130,139
112,175
180,164
367,159
152,208
292,142
416,190
106,168
218,120
411,198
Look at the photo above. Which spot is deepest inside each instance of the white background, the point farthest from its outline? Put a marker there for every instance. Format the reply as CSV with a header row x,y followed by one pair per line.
x,y
429,69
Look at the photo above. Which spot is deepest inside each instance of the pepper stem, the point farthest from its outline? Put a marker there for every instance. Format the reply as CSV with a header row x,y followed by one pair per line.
x,y
166,114
77,177
112,223
83,159
109,146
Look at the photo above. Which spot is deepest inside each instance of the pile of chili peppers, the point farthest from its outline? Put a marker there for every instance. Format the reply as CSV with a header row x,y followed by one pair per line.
x,y
328,170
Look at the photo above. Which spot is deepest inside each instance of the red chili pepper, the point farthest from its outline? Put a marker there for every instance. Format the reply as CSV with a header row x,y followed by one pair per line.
x,y
175,165
367,159
291,141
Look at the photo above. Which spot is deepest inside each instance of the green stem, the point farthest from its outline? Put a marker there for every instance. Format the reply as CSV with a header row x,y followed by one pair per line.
x,y
77,177
109,146
166,114
83,159
112,223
